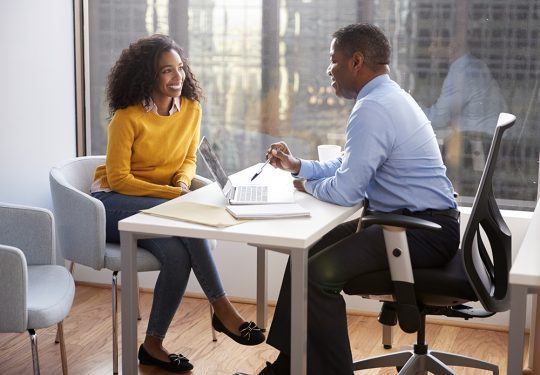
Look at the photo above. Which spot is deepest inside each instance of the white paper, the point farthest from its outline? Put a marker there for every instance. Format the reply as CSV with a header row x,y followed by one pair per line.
x,y
267,211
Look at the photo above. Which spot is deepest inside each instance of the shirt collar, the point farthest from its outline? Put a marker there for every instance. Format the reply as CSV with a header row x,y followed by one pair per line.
x,y
372,84
150,106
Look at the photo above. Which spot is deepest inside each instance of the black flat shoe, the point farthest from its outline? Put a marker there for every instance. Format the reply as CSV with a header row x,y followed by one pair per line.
x,y
250,334
178,363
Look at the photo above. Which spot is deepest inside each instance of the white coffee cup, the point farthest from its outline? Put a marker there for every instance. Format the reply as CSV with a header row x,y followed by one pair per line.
x,y
328,152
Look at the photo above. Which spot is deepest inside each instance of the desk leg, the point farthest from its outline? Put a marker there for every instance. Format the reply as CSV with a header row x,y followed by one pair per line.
x,y
262,287
128,247
516,334
298,311
534,338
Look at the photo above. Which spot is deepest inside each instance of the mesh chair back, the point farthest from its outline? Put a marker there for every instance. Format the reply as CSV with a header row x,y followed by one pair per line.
x,y
488,273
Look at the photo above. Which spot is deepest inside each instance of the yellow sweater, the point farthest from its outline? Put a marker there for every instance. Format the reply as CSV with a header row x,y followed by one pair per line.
x,y
149,154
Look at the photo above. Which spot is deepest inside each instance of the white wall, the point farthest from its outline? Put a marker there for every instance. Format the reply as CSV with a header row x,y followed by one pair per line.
x,y
37,96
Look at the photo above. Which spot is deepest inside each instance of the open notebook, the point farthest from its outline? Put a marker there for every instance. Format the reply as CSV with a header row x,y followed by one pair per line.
x,y
268,211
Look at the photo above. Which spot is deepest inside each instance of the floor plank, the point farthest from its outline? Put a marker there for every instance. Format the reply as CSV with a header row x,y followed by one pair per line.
x,y
88,333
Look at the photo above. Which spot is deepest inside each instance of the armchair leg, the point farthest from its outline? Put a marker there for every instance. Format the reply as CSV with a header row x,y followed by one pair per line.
x,y
214,338
451,359
35,357
71,268
115,320
387,334
60,333
138,299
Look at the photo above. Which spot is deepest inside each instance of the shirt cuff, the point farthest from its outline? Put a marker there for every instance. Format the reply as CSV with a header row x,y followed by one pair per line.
x,y
306,169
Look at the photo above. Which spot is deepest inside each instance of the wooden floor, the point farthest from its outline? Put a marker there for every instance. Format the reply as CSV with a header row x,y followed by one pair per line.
x,y
87,330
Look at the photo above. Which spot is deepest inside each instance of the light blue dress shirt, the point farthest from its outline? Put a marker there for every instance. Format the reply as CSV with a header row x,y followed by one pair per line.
x,y
390,156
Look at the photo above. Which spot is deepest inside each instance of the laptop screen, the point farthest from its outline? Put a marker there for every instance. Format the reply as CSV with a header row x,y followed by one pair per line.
x,y
213,163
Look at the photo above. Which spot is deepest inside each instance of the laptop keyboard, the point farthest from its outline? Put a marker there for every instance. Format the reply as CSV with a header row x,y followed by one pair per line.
x,y
250,193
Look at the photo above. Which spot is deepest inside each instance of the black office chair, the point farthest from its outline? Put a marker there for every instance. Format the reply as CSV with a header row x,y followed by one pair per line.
x,y
472,275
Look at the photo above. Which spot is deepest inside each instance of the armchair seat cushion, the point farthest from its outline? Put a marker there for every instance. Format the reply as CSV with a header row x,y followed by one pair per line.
x,y
145,260
50,295
449,280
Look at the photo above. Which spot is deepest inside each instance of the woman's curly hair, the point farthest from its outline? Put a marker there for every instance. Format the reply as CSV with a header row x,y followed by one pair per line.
x,y
133,76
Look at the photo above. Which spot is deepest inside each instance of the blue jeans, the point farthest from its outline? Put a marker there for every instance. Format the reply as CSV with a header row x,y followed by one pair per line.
x,y
177,255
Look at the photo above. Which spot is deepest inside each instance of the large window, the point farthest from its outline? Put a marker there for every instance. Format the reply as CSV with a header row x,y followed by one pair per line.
x,y
262,65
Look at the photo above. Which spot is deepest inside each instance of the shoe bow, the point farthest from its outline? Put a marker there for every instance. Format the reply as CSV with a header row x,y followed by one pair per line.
x,y
178,359
246,331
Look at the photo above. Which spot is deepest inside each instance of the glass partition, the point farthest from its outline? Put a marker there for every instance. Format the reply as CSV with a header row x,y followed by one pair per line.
x,y
262,66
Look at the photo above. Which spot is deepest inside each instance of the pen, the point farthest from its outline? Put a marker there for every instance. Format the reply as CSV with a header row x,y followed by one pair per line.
x,y
260,170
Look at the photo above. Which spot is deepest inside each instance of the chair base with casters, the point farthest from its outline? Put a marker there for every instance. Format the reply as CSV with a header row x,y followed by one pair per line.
x,y
421,360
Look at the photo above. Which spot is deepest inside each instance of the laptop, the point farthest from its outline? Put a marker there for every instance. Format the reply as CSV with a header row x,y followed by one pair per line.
x,y
244,194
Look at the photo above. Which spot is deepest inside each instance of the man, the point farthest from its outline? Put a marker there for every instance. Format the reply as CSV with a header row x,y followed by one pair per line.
x,y
390,156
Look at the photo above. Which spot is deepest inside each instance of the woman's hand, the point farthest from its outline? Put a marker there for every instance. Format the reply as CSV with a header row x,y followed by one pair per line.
x,y
280,157
184,188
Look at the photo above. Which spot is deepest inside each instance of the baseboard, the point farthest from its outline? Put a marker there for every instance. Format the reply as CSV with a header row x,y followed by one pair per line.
x,y
354,312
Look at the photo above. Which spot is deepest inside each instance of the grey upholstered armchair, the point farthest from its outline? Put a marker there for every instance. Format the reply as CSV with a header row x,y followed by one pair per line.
x,y
35,293
81,227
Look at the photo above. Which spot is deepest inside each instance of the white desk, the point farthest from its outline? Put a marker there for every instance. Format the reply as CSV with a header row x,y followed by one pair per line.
x,y
525,279
290,236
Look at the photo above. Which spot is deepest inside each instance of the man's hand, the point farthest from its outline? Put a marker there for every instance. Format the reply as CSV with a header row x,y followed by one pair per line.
x,y
299,184
184,188
280,157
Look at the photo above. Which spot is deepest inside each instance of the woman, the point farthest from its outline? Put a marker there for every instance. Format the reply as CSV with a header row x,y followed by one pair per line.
x,y
151,157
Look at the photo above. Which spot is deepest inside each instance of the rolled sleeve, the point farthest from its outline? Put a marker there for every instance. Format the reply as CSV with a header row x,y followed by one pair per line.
x,y
306,169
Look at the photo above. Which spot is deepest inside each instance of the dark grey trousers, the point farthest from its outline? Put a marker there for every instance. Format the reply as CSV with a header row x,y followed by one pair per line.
x,y
338,257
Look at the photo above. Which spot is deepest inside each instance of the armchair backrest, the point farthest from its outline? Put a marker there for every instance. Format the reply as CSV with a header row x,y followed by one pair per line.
x,y
80,217
487,274
29,229
26,238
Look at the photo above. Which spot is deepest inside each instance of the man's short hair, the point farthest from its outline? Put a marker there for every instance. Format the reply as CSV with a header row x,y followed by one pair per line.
x,y
367,39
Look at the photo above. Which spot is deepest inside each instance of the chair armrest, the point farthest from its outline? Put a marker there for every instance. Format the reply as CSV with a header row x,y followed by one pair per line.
x,y
29,229
399,262
13,290
395,220
80,222
198,182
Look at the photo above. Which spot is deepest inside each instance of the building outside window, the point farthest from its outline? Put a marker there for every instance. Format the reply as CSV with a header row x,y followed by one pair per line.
x,y
262,66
